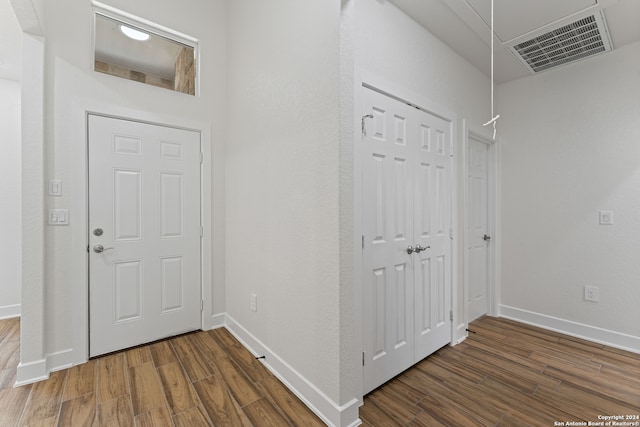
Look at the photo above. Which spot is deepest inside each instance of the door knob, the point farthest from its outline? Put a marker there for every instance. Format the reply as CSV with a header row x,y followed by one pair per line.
x,y
410,250
99,249
486,238
420,248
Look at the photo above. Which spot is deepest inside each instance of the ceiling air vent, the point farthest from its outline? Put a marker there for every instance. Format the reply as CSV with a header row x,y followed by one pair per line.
x,y
583,38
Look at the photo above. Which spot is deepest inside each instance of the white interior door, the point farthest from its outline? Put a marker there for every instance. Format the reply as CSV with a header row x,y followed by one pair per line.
x,y
388,232
406,202
478,239
432,220
144,236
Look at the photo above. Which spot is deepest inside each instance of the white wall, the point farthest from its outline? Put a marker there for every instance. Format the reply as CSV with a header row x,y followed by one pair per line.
x,y
10,200
570,148
392,46
282,189
71,88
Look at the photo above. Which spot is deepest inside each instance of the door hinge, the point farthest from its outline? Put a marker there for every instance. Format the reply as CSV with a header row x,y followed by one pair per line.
x,y
451,233
87,248
201,305
202,231
201,157
363,358
451,315
363,242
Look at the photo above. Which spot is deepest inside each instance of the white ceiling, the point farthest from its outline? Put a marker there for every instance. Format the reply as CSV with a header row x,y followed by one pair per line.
x,y
465,25
10,43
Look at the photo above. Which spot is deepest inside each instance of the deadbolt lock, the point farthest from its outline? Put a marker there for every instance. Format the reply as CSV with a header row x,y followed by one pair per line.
x,y
98,232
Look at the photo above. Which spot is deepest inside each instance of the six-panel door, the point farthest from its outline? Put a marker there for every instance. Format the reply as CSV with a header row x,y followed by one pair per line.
x,y
478,229
406,161
144,235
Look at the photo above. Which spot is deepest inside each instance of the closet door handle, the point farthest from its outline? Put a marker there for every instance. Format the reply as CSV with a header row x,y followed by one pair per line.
x,y
410,250
420,248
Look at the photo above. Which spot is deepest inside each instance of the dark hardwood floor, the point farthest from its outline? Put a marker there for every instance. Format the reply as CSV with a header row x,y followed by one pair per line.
x,y
511,374
506,374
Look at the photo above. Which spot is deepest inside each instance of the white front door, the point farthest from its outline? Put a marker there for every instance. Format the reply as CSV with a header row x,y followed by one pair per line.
x,y
406,203
478,228
144,235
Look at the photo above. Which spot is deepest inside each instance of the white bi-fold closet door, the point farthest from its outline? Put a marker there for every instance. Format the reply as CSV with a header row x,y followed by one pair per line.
x,y
144,235
406,209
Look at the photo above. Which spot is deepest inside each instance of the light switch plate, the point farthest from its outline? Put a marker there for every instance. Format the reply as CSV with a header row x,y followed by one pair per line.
x,y
58,216
606,217
55,187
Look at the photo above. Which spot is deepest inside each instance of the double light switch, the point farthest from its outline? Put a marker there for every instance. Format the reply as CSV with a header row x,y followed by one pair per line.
x,y
57,216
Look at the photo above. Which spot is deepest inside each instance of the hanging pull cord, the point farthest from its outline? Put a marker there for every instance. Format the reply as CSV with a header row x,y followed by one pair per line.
x,y
494,117
493,121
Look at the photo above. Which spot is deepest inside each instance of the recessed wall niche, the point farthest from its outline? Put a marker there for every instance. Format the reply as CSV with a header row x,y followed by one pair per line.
x,y
138,51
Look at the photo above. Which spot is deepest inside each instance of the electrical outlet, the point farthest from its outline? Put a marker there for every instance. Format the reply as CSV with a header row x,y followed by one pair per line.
x,y
254,302
591,293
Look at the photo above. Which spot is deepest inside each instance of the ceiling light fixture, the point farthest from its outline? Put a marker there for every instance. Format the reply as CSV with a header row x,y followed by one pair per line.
x,y
134,34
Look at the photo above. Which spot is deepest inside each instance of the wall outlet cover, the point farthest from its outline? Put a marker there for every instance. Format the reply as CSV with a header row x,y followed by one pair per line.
x,y
591,293
254,302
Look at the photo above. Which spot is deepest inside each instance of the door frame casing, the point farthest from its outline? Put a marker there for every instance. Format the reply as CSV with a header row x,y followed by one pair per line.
x,y
364,78
200,197
481,134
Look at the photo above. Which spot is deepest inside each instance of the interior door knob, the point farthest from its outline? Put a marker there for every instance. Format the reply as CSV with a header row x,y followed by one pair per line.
x,y
99,249
410,250
420,248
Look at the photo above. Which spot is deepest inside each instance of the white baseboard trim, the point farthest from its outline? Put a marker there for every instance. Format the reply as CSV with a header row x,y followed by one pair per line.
x,y
568,327
9,311
332,414
28,373
39,370
215,321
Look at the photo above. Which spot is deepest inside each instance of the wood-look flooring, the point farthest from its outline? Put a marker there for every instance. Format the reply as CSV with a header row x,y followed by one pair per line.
x,y
197,379
510,374
506,374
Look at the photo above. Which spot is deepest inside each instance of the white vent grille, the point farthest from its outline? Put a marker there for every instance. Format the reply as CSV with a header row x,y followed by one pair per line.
x,y
578,40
